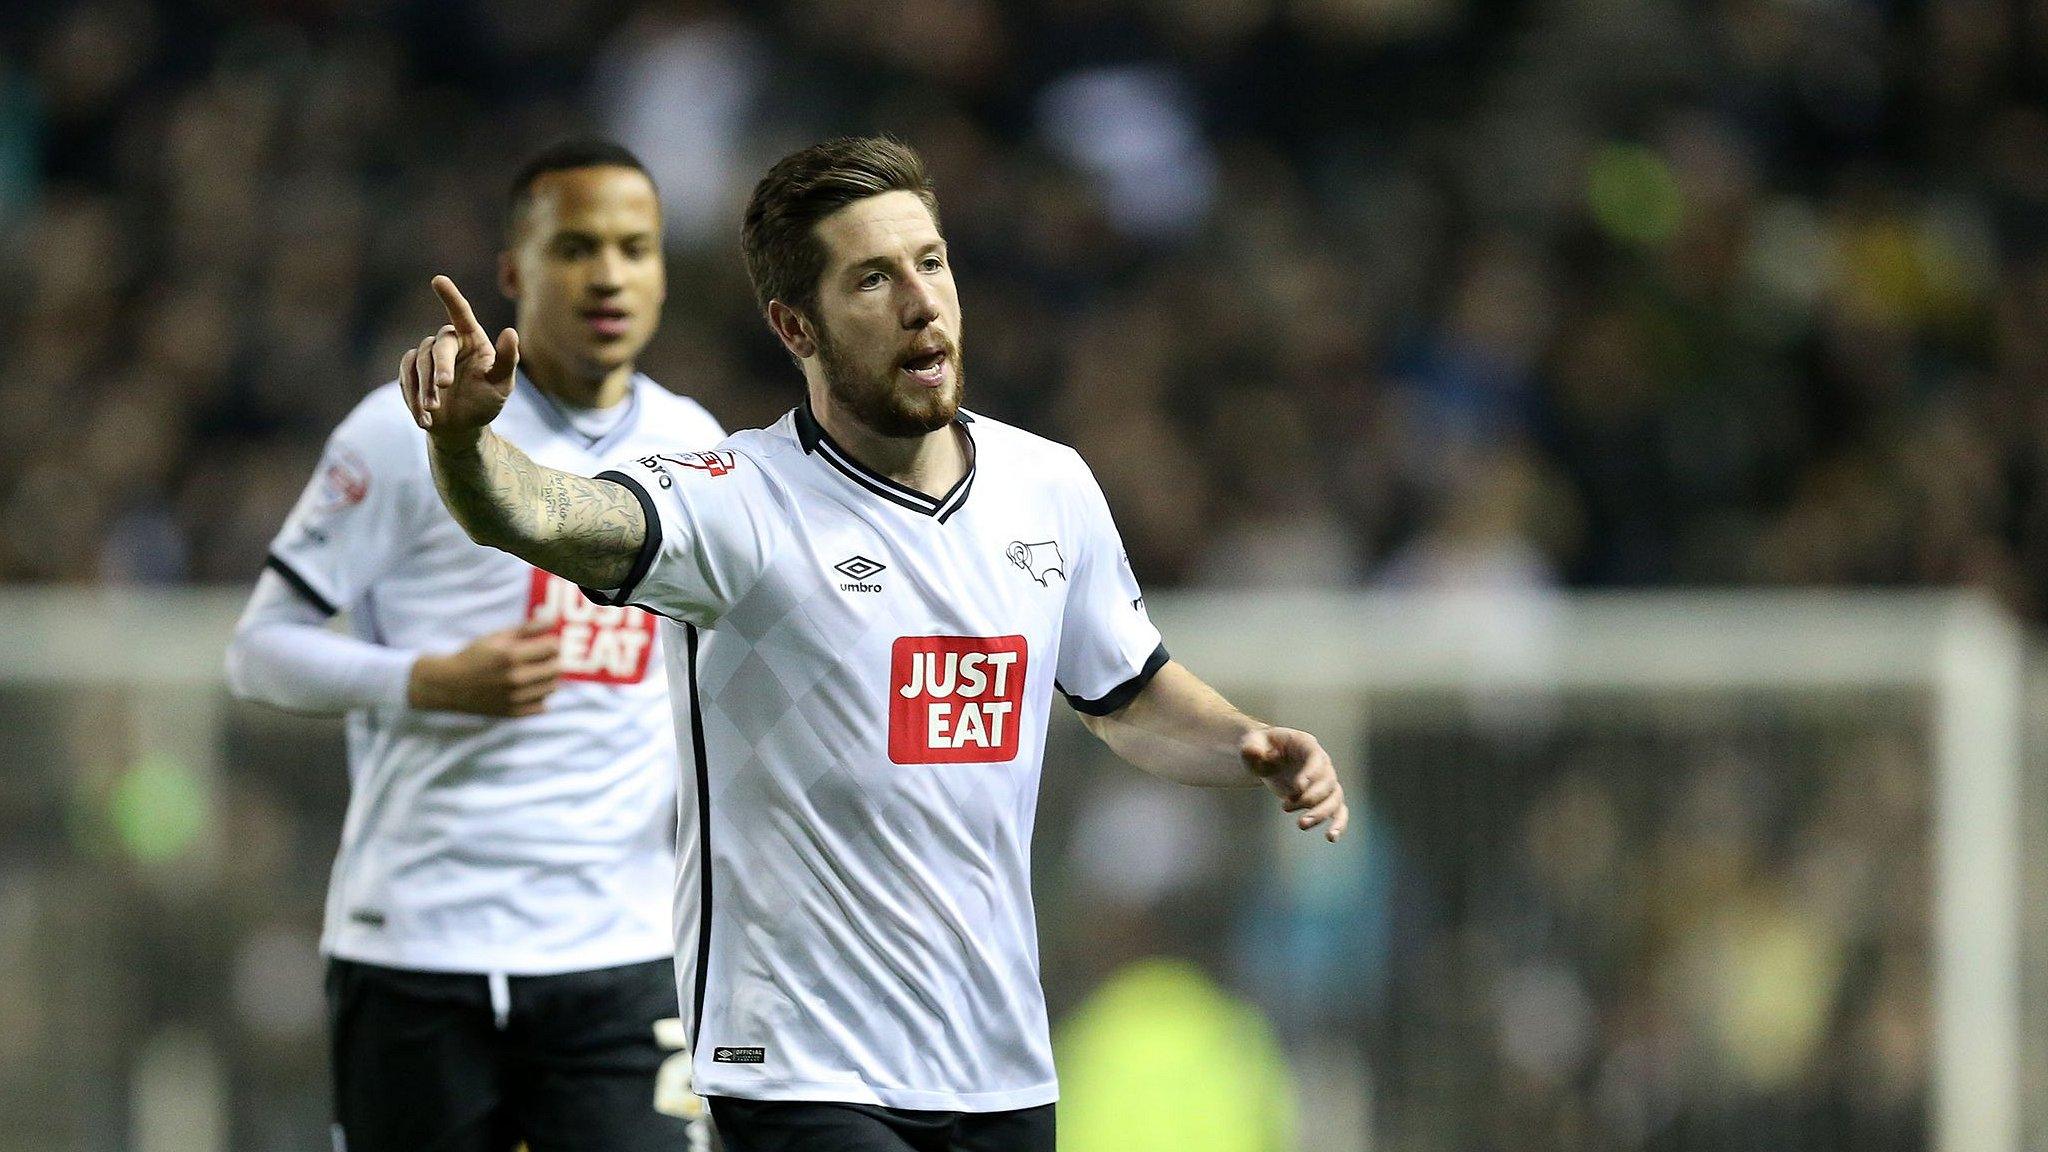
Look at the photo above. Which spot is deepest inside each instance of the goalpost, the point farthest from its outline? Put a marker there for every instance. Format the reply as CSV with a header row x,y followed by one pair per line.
x,y
1344,666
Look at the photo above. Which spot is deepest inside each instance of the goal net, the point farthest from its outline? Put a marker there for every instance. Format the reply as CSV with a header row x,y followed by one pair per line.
x,y
1681,872
1673,872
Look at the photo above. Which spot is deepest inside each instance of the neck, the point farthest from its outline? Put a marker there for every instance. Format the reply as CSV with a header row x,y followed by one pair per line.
x,y
931,463
576,389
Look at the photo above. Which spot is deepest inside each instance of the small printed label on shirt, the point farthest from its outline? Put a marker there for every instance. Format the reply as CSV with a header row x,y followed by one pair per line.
x,y
739,1055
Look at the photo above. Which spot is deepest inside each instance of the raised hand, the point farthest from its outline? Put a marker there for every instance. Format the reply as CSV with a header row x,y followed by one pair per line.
x,y
1293,764
456,382
507,673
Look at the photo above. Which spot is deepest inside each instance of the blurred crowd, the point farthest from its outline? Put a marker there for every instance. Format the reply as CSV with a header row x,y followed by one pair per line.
x,y
1331,292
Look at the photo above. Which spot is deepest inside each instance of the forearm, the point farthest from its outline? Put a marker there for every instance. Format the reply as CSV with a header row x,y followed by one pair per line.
x,y
283,655
1180,729
581,529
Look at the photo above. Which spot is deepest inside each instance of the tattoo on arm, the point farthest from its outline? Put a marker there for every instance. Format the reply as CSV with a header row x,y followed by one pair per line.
x,y
581,529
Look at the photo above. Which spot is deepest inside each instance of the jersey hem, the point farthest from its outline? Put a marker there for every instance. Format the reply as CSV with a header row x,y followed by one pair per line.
x,y
829,1092
419,958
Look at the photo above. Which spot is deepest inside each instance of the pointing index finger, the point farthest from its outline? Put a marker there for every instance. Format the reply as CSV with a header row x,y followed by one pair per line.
x,y
459,313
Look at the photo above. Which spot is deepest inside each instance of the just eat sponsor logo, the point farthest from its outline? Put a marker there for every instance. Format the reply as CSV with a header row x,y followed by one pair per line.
x,y
601,644
955,699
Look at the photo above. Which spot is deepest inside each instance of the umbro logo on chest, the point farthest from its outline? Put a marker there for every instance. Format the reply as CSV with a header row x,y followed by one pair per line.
x,y
859,568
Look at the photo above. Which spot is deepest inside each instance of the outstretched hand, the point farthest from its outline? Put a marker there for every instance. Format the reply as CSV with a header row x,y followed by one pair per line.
x,y
457,380
1293,764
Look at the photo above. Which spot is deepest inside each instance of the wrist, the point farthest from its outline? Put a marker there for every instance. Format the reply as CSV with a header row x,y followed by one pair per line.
x,y
457,443
387,678
420,684
1254,754
1248,728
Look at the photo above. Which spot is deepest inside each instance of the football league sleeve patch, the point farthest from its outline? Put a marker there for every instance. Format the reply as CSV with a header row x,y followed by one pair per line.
x,y
348,523
713,525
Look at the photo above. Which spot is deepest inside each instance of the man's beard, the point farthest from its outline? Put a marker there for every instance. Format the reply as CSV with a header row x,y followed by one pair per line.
x,y
885,406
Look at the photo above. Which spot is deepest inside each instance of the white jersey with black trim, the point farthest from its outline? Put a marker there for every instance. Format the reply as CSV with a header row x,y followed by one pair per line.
x,y
863,674
537,845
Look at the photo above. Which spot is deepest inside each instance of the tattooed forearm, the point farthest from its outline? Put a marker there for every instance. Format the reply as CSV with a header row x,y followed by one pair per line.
x,y
554,500
594,525
581,529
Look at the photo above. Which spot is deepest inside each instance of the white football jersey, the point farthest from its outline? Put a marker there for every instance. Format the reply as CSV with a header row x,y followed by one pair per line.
x,y
536,845
863,675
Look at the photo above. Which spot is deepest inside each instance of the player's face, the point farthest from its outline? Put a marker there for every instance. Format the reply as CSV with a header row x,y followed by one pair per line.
x,y
586,268
888,316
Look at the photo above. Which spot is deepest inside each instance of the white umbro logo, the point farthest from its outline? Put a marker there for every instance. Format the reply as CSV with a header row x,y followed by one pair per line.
x,y
860,568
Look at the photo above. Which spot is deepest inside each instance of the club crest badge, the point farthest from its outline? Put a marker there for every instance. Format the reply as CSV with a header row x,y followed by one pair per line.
x,y
1041,560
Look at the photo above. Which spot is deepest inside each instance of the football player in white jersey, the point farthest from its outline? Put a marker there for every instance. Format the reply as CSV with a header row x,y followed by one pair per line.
x,y
870,607
499,922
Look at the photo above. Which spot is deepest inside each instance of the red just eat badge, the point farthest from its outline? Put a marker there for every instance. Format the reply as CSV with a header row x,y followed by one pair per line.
x,y
604,644
955,699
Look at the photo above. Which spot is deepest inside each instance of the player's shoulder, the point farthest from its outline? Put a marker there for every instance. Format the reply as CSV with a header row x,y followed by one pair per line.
x,y
1023,452
673,410
743,460
380,425
771,449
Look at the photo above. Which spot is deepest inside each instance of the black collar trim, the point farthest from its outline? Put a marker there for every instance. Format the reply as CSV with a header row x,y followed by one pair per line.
x,y
818,442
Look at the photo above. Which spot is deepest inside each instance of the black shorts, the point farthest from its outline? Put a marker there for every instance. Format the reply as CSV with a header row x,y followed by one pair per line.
x,y
430,1062
804,1126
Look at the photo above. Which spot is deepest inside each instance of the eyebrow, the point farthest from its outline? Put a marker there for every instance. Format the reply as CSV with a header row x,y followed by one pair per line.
x,y
561,234
938,245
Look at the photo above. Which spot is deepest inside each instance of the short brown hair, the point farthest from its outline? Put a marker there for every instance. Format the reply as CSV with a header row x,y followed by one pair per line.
x,y
779,238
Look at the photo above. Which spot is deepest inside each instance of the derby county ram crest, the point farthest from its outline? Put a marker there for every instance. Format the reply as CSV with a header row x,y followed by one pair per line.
x,y
1042,560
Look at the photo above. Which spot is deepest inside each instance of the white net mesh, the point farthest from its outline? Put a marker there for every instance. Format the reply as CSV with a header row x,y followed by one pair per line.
x,y
1625,874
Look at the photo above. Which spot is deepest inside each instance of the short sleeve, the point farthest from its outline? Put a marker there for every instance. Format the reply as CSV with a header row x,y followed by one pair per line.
x,y
1109,649
714,523
356,512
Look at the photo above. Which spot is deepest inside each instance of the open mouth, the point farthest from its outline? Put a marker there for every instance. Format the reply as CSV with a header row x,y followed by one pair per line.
x,y
927,368
608,321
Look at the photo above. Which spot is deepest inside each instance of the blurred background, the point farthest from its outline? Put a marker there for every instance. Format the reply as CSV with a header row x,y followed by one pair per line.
x,y
1517,301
